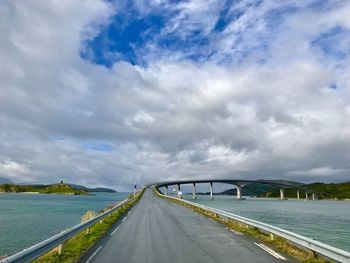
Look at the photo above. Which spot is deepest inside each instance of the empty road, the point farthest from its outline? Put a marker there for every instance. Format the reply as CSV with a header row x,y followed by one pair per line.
x,y
158,230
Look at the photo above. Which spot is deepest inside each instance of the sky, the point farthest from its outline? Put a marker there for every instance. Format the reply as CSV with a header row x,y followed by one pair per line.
x,y
112,93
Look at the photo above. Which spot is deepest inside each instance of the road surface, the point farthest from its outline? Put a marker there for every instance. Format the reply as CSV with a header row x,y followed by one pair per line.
x,y
157,230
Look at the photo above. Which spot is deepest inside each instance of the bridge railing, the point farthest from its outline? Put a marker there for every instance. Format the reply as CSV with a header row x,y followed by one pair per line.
x,y
29,254
304,242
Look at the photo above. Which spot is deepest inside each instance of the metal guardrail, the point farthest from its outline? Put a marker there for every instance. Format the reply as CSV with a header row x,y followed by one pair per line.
x,y
305,242
29,254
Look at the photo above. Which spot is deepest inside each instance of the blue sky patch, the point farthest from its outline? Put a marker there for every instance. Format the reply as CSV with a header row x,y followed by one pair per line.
x,y
334,43
97,146
135,36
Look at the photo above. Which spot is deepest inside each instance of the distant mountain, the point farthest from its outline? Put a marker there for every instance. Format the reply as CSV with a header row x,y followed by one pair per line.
x,y
286,182
97,189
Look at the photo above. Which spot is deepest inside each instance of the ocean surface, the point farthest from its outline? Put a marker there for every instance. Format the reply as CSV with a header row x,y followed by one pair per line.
x,y
323,220
26,219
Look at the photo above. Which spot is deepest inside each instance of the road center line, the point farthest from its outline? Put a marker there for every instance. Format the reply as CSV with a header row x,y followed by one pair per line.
x,y
90,258
270,251
114,230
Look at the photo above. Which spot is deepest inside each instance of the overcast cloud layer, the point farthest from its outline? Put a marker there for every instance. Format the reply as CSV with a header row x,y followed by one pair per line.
x,y
109,94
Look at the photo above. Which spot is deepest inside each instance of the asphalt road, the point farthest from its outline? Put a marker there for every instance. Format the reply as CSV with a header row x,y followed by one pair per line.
x,y
158,230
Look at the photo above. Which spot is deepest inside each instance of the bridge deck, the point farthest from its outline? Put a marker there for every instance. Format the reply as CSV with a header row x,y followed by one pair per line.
x,y
157,230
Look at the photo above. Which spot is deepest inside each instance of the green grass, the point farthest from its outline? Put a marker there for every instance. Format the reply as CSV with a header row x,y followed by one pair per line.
x,y
277,242
75,247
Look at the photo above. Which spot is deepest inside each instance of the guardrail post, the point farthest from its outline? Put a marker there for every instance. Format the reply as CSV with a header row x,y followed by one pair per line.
x,y
298,194
306,196
312,254
60,249
272,236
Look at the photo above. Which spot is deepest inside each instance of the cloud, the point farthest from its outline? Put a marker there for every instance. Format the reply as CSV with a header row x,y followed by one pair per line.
x,y
64,117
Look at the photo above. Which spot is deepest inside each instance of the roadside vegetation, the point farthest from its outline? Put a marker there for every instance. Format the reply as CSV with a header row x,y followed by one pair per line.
x,y
42,189
75,247
277,242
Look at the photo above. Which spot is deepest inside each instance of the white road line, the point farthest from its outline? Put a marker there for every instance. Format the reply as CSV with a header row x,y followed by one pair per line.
x,y
124,218
90,258
234,231
212,219
270,251
129,212
115,230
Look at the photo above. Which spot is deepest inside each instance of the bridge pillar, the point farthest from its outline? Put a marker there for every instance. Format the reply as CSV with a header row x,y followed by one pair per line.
x,y
178,190
211,190
282,193
313,196
166,190
239,192
194,191
306,196
298,194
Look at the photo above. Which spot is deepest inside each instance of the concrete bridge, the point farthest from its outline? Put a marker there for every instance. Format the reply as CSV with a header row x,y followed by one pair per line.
x,y
239,185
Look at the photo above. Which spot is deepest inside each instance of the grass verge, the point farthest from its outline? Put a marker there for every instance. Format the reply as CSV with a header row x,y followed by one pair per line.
x,y
279,243
75,247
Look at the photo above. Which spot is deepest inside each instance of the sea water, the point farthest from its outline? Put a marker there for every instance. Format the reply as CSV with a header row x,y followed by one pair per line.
x,y
26,219
323,220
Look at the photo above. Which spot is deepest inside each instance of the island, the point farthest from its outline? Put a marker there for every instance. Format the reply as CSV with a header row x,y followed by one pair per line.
x,y
60,188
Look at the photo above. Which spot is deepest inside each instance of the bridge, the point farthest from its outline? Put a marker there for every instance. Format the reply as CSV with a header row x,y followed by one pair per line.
x,y
239,184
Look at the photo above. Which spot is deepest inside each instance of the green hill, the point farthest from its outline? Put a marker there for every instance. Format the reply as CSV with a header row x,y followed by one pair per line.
x,y
326,191
42,189
250,190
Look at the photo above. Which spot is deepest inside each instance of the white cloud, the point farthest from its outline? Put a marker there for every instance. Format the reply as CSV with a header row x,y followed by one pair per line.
x,y
172,119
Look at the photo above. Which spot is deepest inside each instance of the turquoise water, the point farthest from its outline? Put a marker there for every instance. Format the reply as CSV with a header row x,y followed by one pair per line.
x,y
26,219
322,220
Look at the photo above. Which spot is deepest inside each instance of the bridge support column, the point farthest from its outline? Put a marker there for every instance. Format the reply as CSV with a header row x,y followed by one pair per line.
x,y
313,196
211,190
239,192
306,196
298,194
282,193
178,190
166,190
194,191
